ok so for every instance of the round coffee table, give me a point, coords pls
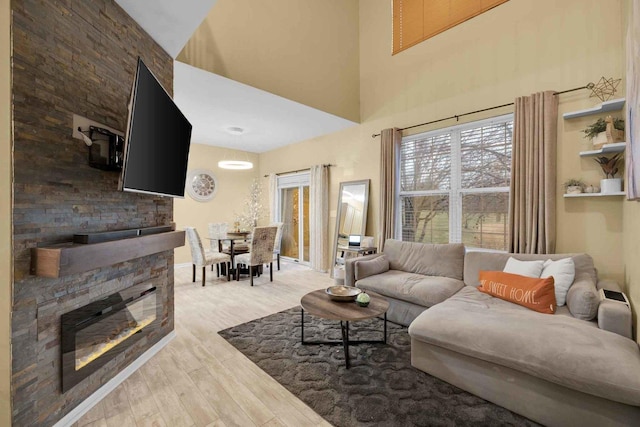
(317, 303)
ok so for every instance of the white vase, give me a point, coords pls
(611, 185)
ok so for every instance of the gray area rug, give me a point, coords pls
(381, 388)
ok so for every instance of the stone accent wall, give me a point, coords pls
(73, 56)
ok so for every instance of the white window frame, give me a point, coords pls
(291, 180)
(455, 192)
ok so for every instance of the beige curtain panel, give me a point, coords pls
(532, 213)
(632, 154)
(273, 196)
(389, 142)
(319, 217)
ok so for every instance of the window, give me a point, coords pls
(454, 185)
(418, 20)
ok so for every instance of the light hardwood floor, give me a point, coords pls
(201, 380)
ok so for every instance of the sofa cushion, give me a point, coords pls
(446, 260)
(563, 272)
(531, 292)
(411, 287)
(474, 261)
(583, 299)
(560, 349)
(524, 268)
(370, 267)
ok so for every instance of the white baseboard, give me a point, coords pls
(184, 264)
(114, 382)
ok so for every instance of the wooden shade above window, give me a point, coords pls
(418, 20)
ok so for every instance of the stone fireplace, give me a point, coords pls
(77, 57)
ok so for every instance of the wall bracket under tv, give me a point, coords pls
(105, 147)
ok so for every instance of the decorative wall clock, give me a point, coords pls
(201, 185)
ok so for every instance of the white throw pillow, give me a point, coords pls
(563, 272)
(524, 268)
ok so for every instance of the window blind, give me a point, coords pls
(454, 184)
(418, 20)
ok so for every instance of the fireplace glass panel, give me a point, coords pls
(100, 337)
(94, 334)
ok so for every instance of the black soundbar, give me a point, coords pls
(107, 236)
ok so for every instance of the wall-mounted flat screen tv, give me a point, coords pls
(157, 142)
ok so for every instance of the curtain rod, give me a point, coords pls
(457, 116)
(328, 165)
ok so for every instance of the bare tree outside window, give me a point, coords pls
(426, 166)
(454, 185)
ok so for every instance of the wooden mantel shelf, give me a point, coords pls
(71, 258)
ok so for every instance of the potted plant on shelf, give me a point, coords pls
(573, 186)
(610, 184)
(605, 131)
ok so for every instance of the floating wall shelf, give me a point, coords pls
(613, 105)
(616, 147)
(71, 258)
(621, 193)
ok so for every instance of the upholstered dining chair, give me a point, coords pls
(217, 232)
(202, 257)
(260, 252)
(278, 242)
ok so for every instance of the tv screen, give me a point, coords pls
(157, 143)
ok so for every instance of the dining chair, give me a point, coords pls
(260, 252)
(202, 257)
(278, 242)
(217, 233)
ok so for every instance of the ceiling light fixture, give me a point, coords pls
(235, 130)
(235, 164)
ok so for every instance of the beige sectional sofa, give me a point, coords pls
(576, 367)
(415, 277)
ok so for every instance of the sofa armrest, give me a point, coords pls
(608, 284)
(350, 268)
(614, 316)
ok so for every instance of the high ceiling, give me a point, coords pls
(216, 105)
(213, 103)
(170, 23)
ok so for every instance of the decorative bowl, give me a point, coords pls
(342, 293)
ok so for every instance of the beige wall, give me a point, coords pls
(355, 156)
(233, 189)
(306, 51)
(6, 261)
(515, 49)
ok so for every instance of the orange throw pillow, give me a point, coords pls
(536, 294)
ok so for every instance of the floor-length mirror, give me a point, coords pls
(351, 218)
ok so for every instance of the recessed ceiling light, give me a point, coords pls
(235, 164)
(235, 130)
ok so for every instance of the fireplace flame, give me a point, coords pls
(96, 350)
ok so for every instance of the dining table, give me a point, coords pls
(234, 249)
